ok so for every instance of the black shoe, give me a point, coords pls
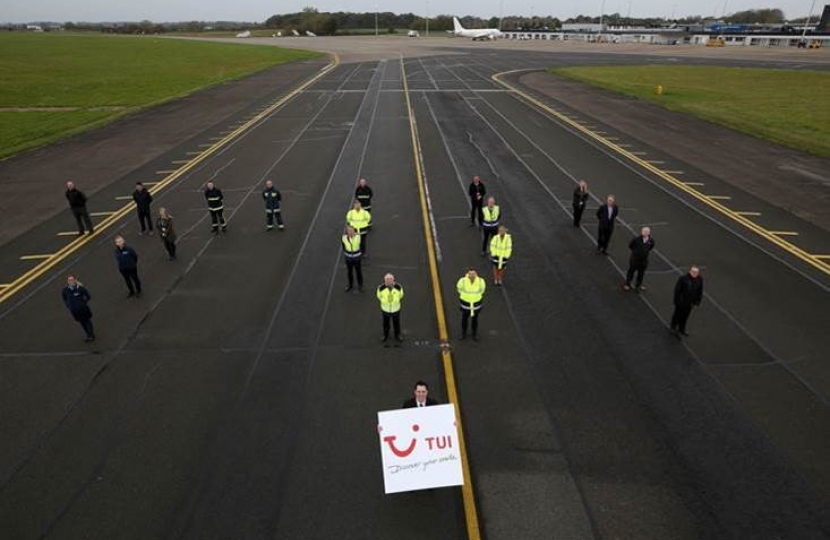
(684, 333)
(349, 288)
(282, 227)
(89, 339)
(269, 228)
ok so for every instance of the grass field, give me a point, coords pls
(788, 107)
(56, 85)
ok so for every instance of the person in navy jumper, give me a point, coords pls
(128, 266)
(77, 298)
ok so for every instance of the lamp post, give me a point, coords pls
(427, 21)
(809, 17)
(376, 20)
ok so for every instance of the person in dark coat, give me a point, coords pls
(607, 216)
(363, 194)
(640, 247)
(580, 200)
(272, 198)
(688, 292)
(127, 260)
(420, 398)
(216, 207)
(77, 203)
(77, 298)
(167, 233)
(142, 199)
(477, 192)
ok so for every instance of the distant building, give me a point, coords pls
(34, 28)
(589, 28)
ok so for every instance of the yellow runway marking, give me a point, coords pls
(123, 198)
(719, 197)
(655, 162)
(150, 183)
(100, 214)
(50, 261)
(674, 172)
(4, 285)
(35, 257)
(710, 201)
(784, 233)
(694, 183)
(822, 256)
(749, 214)
(68, 233)
(470, 511)
(170, 171)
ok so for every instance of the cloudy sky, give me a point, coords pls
(259, 10)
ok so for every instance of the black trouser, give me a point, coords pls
(603, 237)
(170, 246)
(271, 214)
(465, 320)
(144, 217)
(86, 324)
(395, 318)
(131, 279)
(486, 234)
(353, 266)
(639, 268)
(217, 218)
(82, 218)
(679, 317)
(475, 211)
(364, 242)
(578, 209)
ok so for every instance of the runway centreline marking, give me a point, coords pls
(694, 183)
(122, 198)
(784, 233)
(100, 214)
(52, 260)
(470, 510)
(719, 197)
(749, 214)
(35, 257)
(707, 200)
(67, 233)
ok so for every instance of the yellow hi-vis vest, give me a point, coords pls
(390, 299)
(491, 217)
(471, 293)
(351, 246)
(359, 220)
(501, 249)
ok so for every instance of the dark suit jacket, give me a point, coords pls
(411, 404)
(602, 216)
(640, 250)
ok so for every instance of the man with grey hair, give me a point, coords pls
(390, 294)
(688, 292)
(640, 247)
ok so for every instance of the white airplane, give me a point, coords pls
(309, 33)
(296, 34)
(479, 33)
(245, 34)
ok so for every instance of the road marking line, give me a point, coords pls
(694, 183)
(710, 201)
(470, 511)
(674, 172)
(719, 197)
(208, 145)
(123, 198)
(171, 171)
(68, 233)
(656, 162)
(749, 214)
(784, 233)
(178, 162)
(99, 214)
(35, 257)
(28, 277)
(822, 256)
(193, 153)
(639, 153)
(150, 183)
(4, 285)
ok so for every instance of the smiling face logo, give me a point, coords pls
(390, 440)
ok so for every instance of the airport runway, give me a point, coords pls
(238, 397)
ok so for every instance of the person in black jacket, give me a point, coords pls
(688, 292)
(607, 216)
(77, 298)
(216, 206)
(142, 199)
(363, 194)
(77, 203)
(421, 397)
(272, 198)
(127, 260)
(580, 200)
(477, 192)
(167, 233)
(640, 247)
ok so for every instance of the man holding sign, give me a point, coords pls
(419, 448)
(421, 398)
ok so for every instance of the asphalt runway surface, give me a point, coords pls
(238, 397)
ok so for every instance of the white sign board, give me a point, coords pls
(419, 448)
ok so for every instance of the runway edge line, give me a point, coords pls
(28, 277)
(709, 201)
(470, 510)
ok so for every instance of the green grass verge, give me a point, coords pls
(88, 72)
(791, 108)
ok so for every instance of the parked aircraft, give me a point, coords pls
(475, 34)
